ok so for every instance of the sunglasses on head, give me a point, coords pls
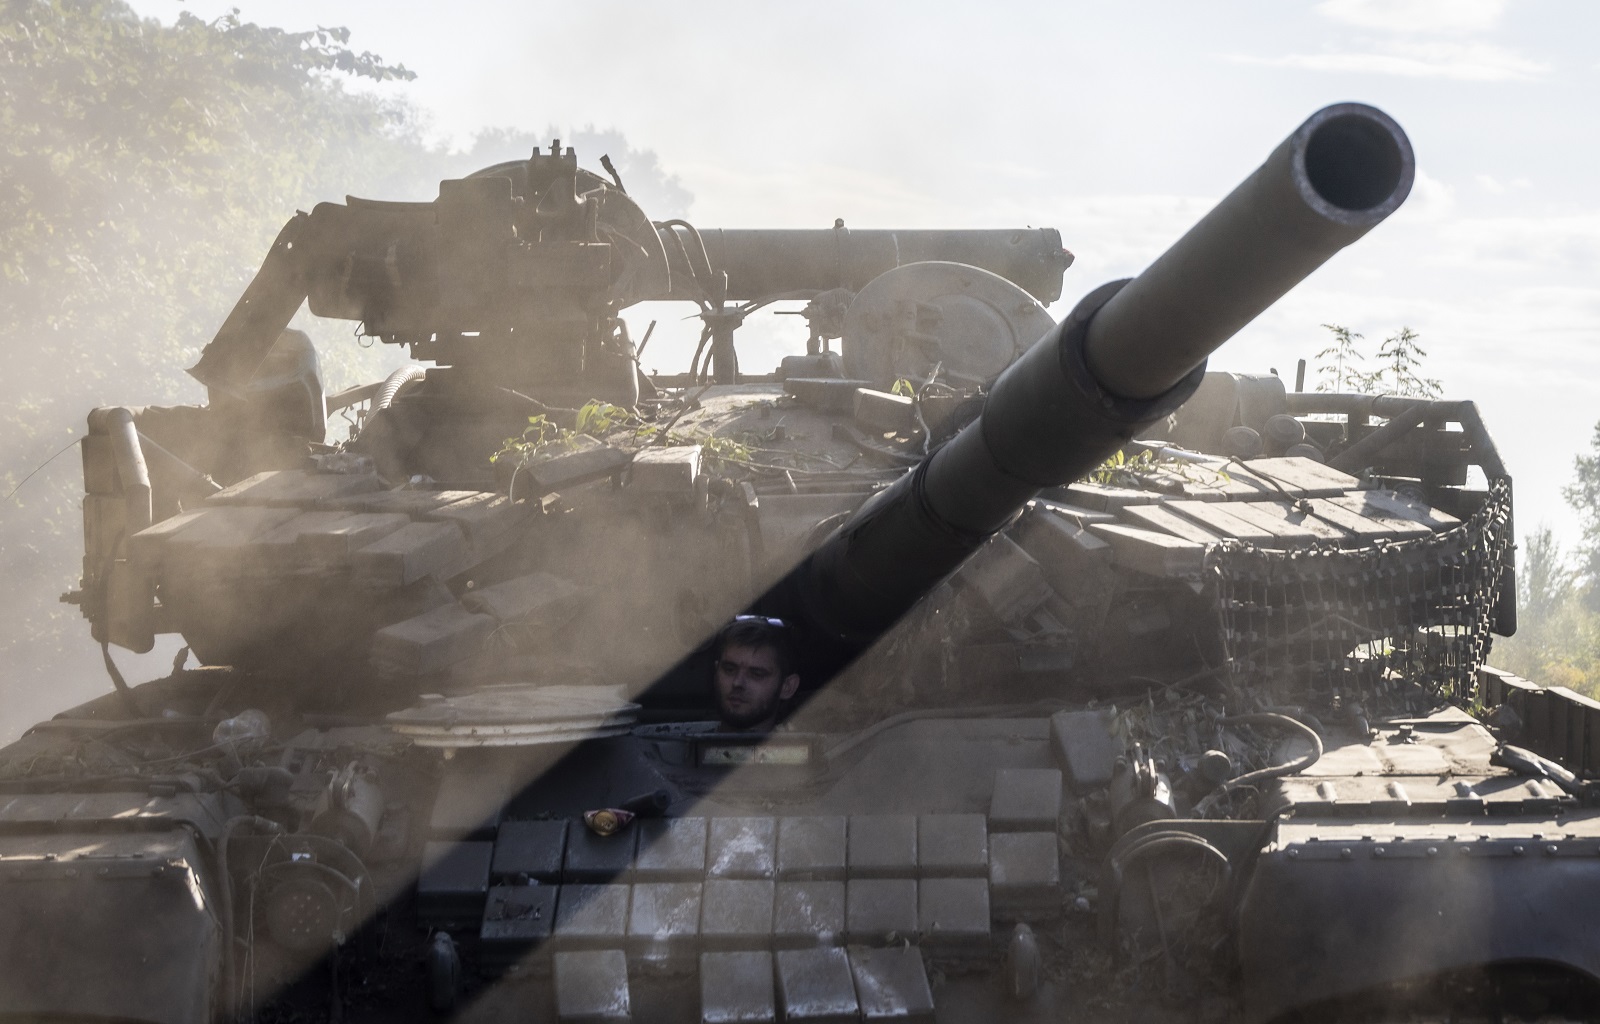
(775, 623)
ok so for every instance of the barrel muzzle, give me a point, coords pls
(1331, 181)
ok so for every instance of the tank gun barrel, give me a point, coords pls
(1128, 355)
(762, 262)
(1341, 172)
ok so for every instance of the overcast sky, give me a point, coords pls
(1119, 123)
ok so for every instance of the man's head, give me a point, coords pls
(754, 673)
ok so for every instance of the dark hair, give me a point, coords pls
(756, 632)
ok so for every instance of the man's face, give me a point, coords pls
(750, 688)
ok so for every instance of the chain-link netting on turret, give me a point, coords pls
(1369, 622)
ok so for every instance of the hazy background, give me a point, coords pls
(1117, 123)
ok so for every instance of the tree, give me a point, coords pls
(151, 161)
(1583, 494)
(1545, 581)
(1558, 602)
(1558, 639)
(144, 170)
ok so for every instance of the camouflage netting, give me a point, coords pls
(1360, 622)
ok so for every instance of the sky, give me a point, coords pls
(1119, 123)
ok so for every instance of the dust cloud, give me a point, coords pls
(137, 206)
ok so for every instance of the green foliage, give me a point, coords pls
(721, 454)
(539, 437)
(1121, 471)
(1150, 469)
(1337, 363)
(1400, 360)
(1583, 494)
(1558, 637)
(542, 438)
(599, 418)
(144, 170)
(1558, 597)
(1545, 581)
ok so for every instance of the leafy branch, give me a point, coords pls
(1402, 358)
(1336, 364)
(542, 438)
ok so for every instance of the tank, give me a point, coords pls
(1125, 689)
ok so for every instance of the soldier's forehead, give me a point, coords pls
(761, 651)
